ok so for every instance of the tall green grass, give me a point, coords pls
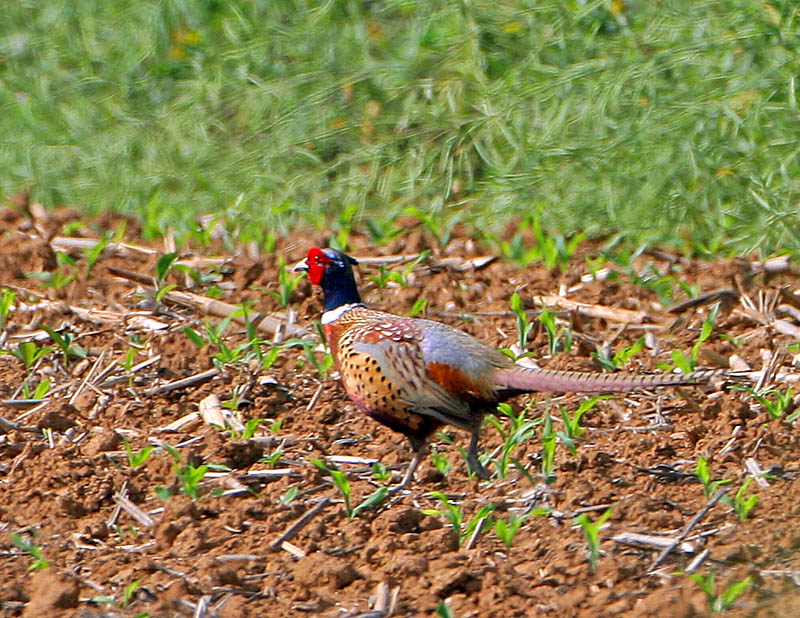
(674, 121)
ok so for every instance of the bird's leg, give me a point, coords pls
(472, 456)
(420, 448)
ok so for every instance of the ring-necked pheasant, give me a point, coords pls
(415, 375)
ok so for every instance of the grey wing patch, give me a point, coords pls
(404, 366)
(444, 344)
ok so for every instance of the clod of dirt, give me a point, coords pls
(240, 454)
(49, 591)
(71, 507)
(318, 570)
(58, 420)
(180, 513)
(449, 581)
(444, 539)
(101, 443)
(406, 521)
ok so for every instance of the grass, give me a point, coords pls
(661, 122)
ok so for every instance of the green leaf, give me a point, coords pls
(164, 265)
(194, 336)
(378, 496)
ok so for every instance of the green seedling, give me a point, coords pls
(559, 339)
(289, 495)
(448, 439)
(28, 353)
(382, 233)
(273, 459)
(703, 474)
(443, 610)
(374, 499)
(401, 277)
(215, 336)
(128, 596)
(549, 442)
(93, 254)
(591, 532)
(524, 326)
(382, 278)
(189, 476)
(163, 267)
(342, 483)
(380, 473)
(688, 364)
(776, 402)
(59, 278)
(129, 593)
(663, 286)
(128, 363)
(340, 480)
(250, 428)
(65, 343)
(521, 431)
(743, 504)
(201, 278)
(72, 228)
(625, 353)
(137, 458)
(287, 283)
(322, 366)
(506, 530)
(572, 425)
(34, 551)
(479, 522)
(7, 298)
(621, 358)
(39, 392)
(453, 513)
(122, 533)
(517, 252)
(419, 307)
(440, 462)
(441, 228)
(343, 225)
(720, 603)
(553, 250)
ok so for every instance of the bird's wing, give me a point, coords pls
(403, 363)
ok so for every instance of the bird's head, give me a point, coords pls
(333, 271)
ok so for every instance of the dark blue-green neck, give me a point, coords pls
(339, 288)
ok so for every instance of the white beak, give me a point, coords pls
(301, 265)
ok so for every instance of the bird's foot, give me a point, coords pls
(477, 467)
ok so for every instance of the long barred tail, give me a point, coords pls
(525, 379)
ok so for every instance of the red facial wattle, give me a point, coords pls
(316, 260)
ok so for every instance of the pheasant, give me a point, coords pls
(415, 375)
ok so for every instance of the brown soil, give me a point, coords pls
(63, 465)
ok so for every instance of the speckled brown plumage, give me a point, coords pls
(416, 375)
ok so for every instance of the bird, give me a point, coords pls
(415, 375)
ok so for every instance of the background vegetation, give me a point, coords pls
(673, 121)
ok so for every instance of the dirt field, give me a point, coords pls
(68, 487)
